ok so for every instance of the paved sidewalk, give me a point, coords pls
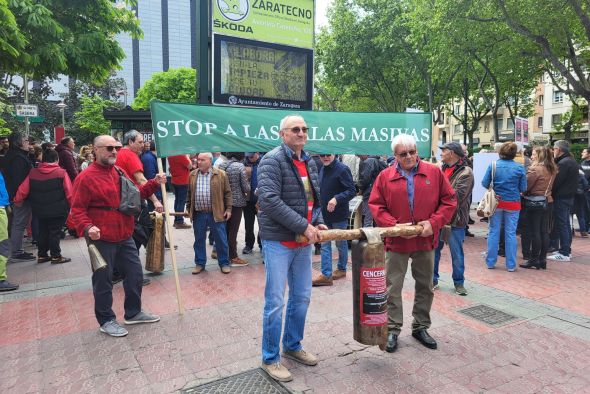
(50, 340)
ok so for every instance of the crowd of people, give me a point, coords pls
(106, 191)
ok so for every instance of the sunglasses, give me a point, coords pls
(327, 155)
(407, 153)
(111, 148)
(297, 129)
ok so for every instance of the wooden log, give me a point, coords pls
(357, 233)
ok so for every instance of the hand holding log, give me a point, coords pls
(346, 235)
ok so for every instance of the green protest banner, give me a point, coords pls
(192, 128)
(288, 22)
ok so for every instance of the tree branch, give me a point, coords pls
(584, 18)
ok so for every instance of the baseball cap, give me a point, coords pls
(455, 147)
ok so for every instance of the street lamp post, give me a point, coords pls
(62, 107)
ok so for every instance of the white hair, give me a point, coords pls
(497, 146)
(405, 140)
(284, 120)
(208, 155)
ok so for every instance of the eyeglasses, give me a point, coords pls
(297, 129)
(111, 148)
(406, 153)
(326, 155)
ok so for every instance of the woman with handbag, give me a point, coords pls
(508, 182)
(537, 198)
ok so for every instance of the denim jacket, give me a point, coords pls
(509, 179)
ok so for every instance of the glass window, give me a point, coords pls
(540, 121)
(541, 100)
(500, 123)
(457, 129)
(509, 124)
(486, 126)
(557, 97)
(556, 118)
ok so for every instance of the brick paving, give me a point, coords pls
(50, 340)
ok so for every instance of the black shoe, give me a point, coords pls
(531, 264)
(247, 250)
(7, 286)
(145, 282)
(469, 234)
(543, 264)
(318, 250)
(391, 343)
(117, 279)
(502, 253)
(470, 221)
(526, 257)
(425, 339)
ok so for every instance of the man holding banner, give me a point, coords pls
(289, 198)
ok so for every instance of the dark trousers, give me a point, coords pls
(523, 230)
(249, 218)
(580, 209)
(538, 233)
(232, 227)
(561, 235)
(180, 192)
(50, 236)
(124, 256)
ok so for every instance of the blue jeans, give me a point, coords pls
(284, 265)
(179, 201)
(458, 260)
(202, 220)
(561, 235)
(510, 221)
(342, 251)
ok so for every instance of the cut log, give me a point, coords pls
(357, 233)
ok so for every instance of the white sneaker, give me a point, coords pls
(559, 257)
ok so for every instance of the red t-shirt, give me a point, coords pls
(302, 169)
(129, 162)
(179, 167)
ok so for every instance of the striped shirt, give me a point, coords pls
(203, 192)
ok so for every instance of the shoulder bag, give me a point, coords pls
(537, 203)
(489, 202)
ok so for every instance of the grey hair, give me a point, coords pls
(16, 139)
(284, 120)
(562, 145)
(208, 154)
(404, 140)
(131, 135)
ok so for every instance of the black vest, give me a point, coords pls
(47, 196)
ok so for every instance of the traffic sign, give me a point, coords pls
(32, 119)
(26, 109)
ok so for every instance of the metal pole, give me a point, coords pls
(203, 53)
(26, 102)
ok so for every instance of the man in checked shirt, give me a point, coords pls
(210, 205)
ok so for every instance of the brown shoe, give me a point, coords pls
(214, 254)
(322, 281)
(182, 225)
(338, 274)
(60, 260)
(584, 234)
(225, 269)
(238, 262)
(43, 259)
(198, 269)
(278, 372)
(301, 356)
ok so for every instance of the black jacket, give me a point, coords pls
(336, 181)
(566, 181)
(368, 171)
(282, 198)
(585, 166)
(16, 168)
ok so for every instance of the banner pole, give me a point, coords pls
(171, 241)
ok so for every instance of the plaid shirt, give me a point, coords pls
(203, 192)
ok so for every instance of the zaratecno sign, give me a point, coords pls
(288, 22)
(192, 128)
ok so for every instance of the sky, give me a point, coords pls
(321, 8)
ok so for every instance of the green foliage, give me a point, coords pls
(175, 85)
(576, 151)
(76, 38)
(90, 117)
(5, 110)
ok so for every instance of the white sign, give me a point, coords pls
(481, 162)
(26, 110)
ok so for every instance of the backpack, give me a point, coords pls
(130, 197)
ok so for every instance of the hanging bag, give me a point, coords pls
(537, 203)
(489, 202)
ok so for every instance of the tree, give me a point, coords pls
(571, 121)
(76, 38)
(90, 117)
(175, 86)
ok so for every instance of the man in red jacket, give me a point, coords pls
(97, 196)
(180, 168)
(415, 192)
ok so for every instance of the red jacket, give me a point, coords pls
(434, 200)
(180, 168)
(99, 186)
